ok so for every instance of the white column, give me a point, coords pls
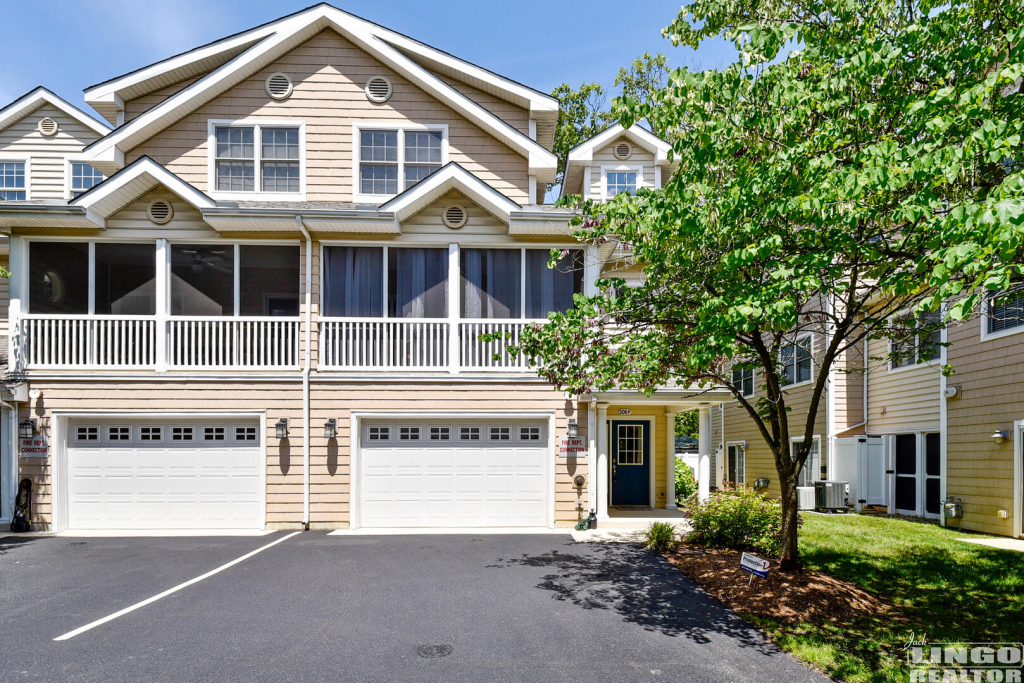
(601, 472)
(163, 301)
(592, 456)
(454, 312)
(670, 460)
(18, 267)
(704, 452)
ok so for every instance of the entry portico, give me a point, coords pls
(632, 445)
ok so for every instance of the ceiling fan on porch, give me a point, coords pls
(207, 258)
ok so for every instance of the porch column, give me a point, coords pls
(163, 298)
(592, 475)
(454, 310)
(704, 452)
(602, 461)
(670, 460)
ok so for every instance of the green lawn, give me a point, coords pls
(944, 590)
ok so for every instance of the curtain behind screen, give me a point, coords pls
(353, 282)
(551, 289)
(417, 283)
(490, 283)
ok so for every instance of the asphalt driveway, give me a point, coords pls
(361, 608)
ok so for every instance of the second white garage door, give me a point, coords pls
(454, 474)
(162, 474)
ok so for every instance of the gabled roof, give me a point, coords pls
(436, 185)
(262, 46)
(32, 100)
(584, 152)
(116, 192)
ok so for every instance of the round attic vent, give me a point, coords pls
(279, 86)
(378, 89)
(160, 211)
(623, 151)
(454, 216)
(47, 126)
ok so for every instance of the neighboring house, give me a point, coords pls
(256, 301)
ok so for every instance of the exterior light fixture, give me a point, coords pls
(27, 428)
(330, 429)
(281, 427)
(999, 436)
(573, 431)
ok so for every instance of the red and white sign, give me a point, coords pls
(35, 447)
(572, 447)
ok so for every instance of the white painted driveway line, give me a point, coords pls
(159, 596)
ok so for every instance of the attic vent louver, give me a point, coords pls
(160, 211)
(378, 89)
(48, 126)
(279, 86)
(454, 216)
(623, 151)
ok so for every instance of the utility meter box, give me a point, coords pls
(953, 509)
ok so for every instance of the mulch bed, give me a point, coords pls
(801, 596)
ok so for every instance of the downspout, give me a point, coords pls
(306, 363)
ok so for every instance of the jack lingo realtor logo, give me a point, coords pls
(965, 662)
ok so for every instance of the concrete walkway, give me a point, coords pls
(1015, 544)
(628, 526)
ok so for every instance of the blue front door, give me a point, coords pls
(631, 462)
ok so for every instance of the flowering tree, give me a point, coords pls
(869, 171)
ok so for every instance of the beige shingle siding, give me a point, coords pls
(329, 74)
(989, 375)
(48, 154)
(908, 396)
(517, 117)
(139, 105)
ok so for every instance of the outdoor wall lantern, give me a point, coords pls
(999, 436)
(281, 426)
(572, 429)
(330, 429)
(27, 428)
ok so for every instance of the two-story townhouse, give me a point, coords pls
(263, 307)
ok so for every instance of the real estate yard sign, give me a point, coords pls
(754, 564)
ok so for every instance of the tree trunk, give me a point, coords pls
(789, 560)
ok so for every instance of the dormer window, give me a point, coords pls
(260, 159)
(12, 181)
(621, 181)
(391, 160)
(83, 178)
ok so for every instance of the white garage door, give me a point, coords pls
(454, 474)
(164, 475)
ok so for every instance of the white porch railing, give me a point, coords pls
(383, 344)
(355, 344)
(65, 341)
(251, 343)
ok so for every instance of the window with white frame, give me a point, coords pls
(811, 471)
(182, 434)
(914, 341)
(440, 433)
(393, 160)
(83, 178)
(620, 181)
(226, 279)
(213, 434)
(743, 379)
(380, 433)
(257, 158)
(87, 433)
(1005, 311)
(796, 360)
(12, 181)
(469, 433)
(500, 433)
(119, 433)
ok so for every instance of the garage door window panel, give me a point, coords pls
(119, 433)
(182, 434)
(87, 433)
(151, 433)
(214, 434)
(469, 434)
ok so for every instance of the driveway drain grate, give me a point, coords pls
(434, 651)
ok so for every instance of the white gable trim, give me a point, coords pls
(119, 190)
(28, 103)
(451, 177)
(291, 32)
(584, 152)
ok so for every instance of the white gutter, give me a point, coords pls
(306, 363)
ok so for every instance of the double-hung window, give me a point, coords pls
(620, 181)
(1005, 311)
(796, 360)
(913, 341)
(259, 158)
(83, 178)
(743, 379)
(393, 160)
(12, 181)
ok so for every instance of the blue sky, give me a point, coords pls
(68, 45)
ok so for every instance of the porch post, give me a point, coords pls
(670, 460)
(454, 309)
(602, 461)
(593, 475)
(704, 451)
(163, 298)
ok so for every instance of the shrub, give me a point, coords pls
(660, 536)
(686, 484)
(743, 519)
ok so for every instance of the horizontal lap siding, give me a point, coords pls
(606, 157)
(329, 461)
(989, 375)
(901, 401)
(329, 74)
(48, 154)
(513, 115)
(133, 108)
(5, 302)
